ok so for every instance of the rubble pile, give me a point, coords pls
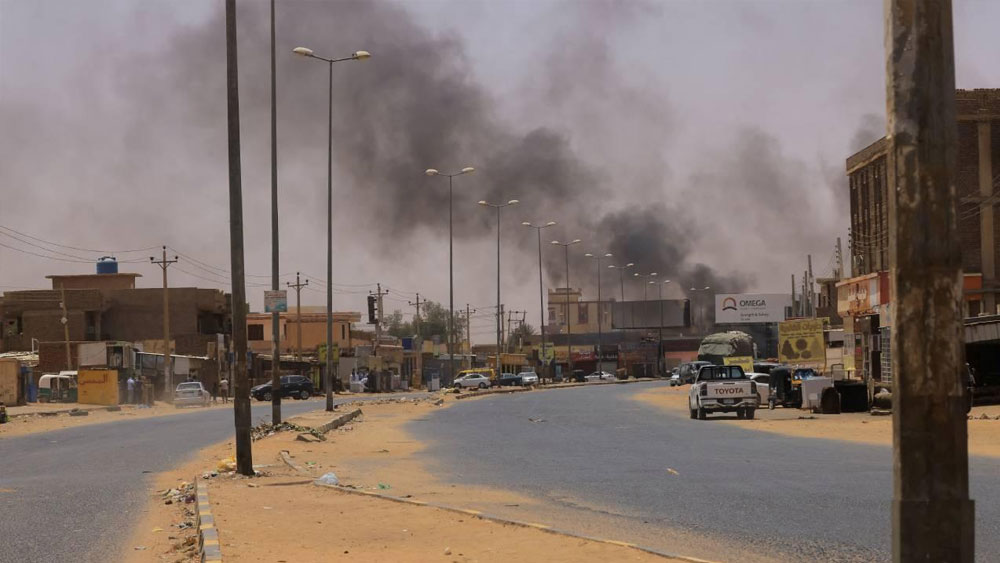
(267, 429)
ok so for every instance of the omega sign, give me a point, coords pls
(744, 308)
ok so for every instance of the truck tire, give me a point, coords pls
(750, 413)
(740, 414)
(701, 413)
(694, 413)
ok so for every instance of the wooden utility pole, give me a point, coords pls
(168, 370)
(241, 385)
(297, 286)
(416, 318)
(932, 514)
(65, 323)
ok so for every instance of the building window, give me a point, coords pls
(343, 332)
(255, 332)
(583, 313)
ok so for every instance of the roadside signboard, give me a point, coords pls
(744, 308)
(745, 362)
(800, 342)
(276, 301)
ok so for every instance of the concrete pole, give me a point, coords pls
(275, 315)
(932, 514)
(65, 323)
(795, 306)
(328, 372)
(298, 313)
(811, 287)
(241, 402)
(168, 372)
(468, 333)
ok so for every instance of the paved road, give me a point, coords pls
(76, 492)
(599, 465)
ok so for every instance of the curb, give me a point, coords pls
(338, 422)
(209, 548)
(501, 520)
(554, 387)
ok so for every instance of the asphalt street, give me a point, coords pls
(602, 463)
(73, 494)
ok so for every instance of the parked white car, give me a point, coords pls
(763, 382)
(601, 376)
(472, 381)
(722, 389)
(528, 378)
(191, 393)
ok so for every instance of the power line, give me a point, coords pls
(105, 251)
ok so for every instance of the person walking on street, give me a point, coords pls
(215, 391)
(130, 385)
(224, 389)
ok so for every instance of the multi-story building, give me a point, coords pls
(863, 300)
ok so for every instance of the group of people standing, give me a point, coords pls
(139, 391)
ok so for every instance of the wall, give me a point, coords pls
(95, 281)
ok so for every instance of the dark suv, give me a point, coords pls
(295, 386)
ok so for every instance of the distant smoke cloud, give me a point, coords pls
(871, 129)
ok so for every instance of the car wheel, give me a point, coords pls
(750, 413)
(739, 413)
(694, 414)
(482, 386)
(702, 415)
(303, 394)
(267, 396)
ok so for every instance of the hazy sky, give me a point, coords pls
(706, 138)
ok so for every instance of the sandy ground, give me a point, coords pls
(282, 516)
(38, 422)
(984, 434)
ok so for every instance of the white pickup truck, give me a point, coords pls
(722, 389)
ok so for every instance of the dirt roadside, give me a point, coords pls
(37, 421)
(984, 433)
(282, 516)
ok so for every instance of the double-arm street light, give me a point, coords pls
(498, 207)
(600, 310)
(451, 267)
(541, 297)
(659, 340)
(357, 56)
(569, 324)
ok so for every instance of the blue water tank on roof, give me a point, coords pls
(107, 265)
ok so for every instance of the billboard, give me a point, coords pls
(743, 308)
(668, 313)
(800, 342)
(276, 301)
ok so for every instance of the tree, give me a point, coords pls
(524, 329)
(394, 325)
(433, 322)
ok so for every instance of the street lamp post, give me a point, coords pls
(569, 323)
(357, 56)
(621, 282)
(541, 297)
(451, 267)
(659, 332)
(644, 302)
(600, 312)
(498, 207)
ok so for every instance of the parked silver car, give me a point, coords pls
(191, 393)
(528, 378)
(472, 381)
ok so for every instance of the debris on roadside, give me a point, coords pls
(328, 479)
(267, 429)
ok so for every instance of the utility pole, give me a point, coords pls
(468, 331)
(275, 315)
(933, 518)
(840, 261)
(378, 321)
(298, 313)
(65, 323)
(795, 306)
(812, 287)
(241, 403)
(168, 371)
(520, 338)
(416, 319)
(500, 338)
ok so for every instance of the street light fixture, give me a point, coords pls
(541, 297)
(356, 56)
(451, 266)
(600, 310)
(569, 323)
(498, 207)
(621, 282)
